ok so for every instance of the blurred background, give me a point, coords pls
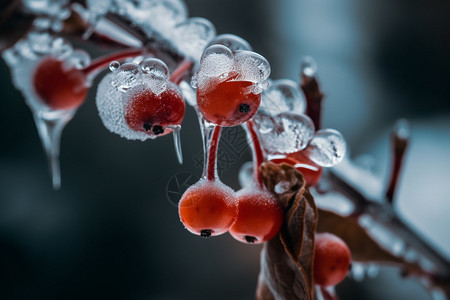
(112, 232)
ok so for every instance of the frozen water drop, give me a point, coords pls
(327, 148)
(283, 96)
(216, 61)
(292, 133)
(78, 59)
(126, 76)
(114, 66)
(156, 68)
(232, 42)
(246, 174)
(251, 66)
(192, 36)
(308, 67)
(264, 122)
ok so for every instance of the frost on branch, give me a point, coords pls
(286, 260)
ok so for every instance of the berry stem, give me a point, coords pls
(257, 153)
(314, 97)
(212, 157)
(399, 142)
(179, 73)
(100, 63)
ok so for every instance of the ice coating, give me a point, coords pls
(129, 86)
(327, 148)
(285, 133)
(25, 55)
(232, 42)
(283, 96)
(192, 36)
(218, 62)
(111, 107)
(154, 15)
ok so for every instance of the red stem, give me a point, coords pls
(100, 63)
(399, 144)
(258, 155)
(180, 71)
(212, 157)
(314, 97)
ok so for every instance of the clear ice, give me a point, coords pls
(284, 133)
(283, 96)
(327, 148)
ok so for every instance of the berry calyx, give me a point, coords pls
(332, 259)
(208, 208)
(259, 216)
(149, 112)
(58, 87)
(228, 102)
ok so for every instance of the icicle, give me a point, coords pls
(177, 142)
(50, 127)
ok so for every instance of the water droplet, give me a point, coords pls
(155, 68)
(114, 65)
(126, 76)
(308, 67)
(327, 148)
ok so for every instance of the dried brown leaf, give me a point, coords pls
(286, 260)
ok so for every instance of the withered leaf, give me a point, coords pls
(286, 260)
(362, 246)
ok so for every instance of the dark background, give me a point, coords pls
(112, 233)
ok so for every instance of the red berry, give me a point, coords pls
(229, 102)
(311, 172)
(208, 208)
(259, 217)
(150, 113)
(57, 87)
(332, 259)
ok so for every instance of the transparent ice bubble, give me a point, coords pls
(111, 105)
(252, 66)
(283, 96)
(264, 121)
(327, 148)
(217, 60)
(155, 68)
(192, 36)
(78, 59)
(114, 66)
(292, 133)
(126, 76)
(232, 42)
(308, 67)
